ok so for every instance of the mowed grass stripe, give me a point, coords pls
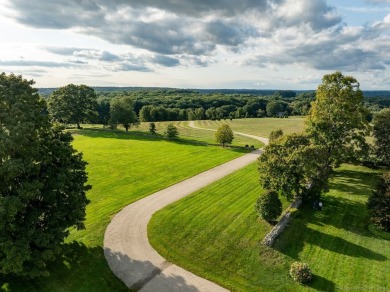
(259, 127)
(199, 135)
(207, 241)
(220, 240)
(126, 167)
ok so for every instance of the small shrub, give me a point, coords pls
(171, 132)
(152, 128)
(300, 272)
(269, 206)
(246, 145)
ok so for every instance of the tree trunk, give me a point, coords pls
(78, 125)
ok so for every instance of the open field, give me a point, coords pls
(259, 127)
(122, 169)
(200, 135)
(215, 233)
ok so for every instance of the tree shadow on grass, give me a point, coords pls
(139, 275)
(81, 268)
(340, 211)
(134, 135)
(321, 284)
(354, 182)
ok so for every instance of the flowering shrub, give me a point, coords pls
(300, 272)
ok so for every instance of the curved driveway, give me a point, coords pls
(126, 244)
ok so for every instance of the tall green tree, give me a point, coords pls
(382, 135)
(42, 182)
(293, 165)
(337, 119)
(74, 104)
(224, 135)
(122, 112)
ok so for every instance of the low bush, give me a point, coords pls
(269, 206)
(300, 272)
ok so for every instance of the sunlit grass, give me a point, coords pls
(216, 233)
(122, 168)
(259, 127)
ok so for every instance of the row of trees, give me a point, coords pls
(300, 165)
(76, 104)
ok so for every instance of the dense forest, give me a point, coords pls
(167, 104)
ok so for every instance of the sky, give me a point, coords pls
(252, 44)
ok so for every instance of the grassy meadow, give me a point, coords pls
(216, 234)
(259, 127)
(204, 136)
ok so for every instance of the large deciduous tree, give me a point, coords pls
(122, 112)
(292, 165)
(382, 135)
(224, 135)
(337, 119)
(42, 181)
(74, 104)
(335, 133)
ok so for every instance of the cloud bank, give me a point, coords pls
(173, 33)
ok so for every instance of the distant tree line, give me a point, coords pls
(181, 105)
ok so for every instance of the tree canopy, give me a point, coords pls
(337, 119)
(224, 135)
(74, 104)
(300, 165)
(382, 135)
(291, 165)
(122, 112)
(42, 189)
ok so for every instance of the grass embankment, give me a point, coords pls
(215, 233)
(259, 127)
(123, 167)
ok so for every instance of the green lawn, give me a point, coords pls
(216, 233)
(200, 135)
(259, 127)
(123, 167)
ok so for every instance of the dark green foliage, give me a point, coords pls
(103, 110)
(300, 272)
(42, 191)
(152, 128)
(171, 132)
(337, 119)
(382, 136)
(275, 108)
(379, 203)
(269, 206)
(74, 104)
(291, 165)
(122, 112)
(224, 135)
(275, 135)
